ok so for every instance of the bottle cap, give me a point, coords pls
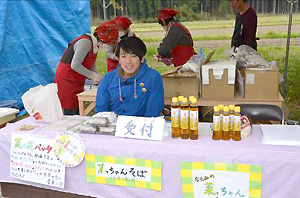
(194, 100)
(221, 107)
(231, 107)
(180, 98)
(191, 98)
(174, 99)
(237, 109)
(184, 100)
(216, 108)
(226, 108)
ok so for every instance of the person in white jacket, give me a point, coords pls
(123, 25)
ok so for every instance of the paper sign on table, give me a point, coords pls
(69, 148)
(281, 134)
(141, 128)
(33, 159)
(220, 180)
(124, 171)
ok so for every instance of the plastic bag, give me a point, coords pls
(247, 57)
(42, 103)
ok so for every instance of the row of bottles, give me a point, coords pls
(184, 116)
(227, 123)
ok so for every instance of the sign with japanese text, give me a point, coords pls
(33, 159)
(218, 180)
(140, 127)
(124, 171)
(69, 148)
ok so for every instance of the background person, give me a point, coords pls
(123, 25)
(133, 88)
(77, 63)
(245, 24)
(177, 46)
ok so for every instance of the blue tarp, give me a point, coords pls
(33, 36)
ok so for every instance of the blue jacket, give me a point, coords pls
(149, 101)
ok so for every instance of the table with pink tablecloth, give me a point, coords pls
(281, 164)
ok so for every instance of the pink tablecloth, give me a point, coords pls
(281, 164)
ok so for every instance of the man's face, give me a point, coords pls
(235, 4)
(130, 63)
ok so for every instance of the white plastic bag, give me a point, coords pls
(42, 103)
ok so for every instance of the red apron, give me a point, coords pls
(111, 64)
(69, 82)
(182, 53)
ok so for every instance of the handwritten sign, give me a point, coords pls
(217, 180)
(69, 148)
(124, 171)
(33, 159)
(141, 128)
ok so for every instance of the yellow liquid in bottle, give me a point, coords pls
(184, 119)
(194, 120)
(217, 133)
(225, 131)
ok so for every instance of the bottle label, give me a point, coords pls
(216, 123)
(184, 119)
(194, 120)
(175, 117)
(231, 121)
(237, 123)
(225, 123)
(221, 121)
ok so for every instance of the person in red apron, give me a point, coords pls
(77, 64)
(123, 25)
(177, 46)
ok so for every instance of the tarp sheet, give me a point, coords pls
(33, 36)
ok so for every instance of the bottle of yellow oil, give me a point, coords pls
(231, 120)
(217, 134)
(184, 119)
(221, 107)
(194, 119)
(175, 118)
(237, 124)
(225, 125)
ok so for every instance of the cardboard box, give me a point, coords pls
(218, 79)
(185, 84)
(261, 84)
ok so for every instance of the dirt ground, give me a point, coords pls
(228, 31)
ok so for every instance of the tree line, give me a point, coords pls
(146, 10)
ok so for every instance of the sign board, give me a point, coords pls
(218, 180)
(124, 171)
(33, 159)
(141, 127)
(69, 148)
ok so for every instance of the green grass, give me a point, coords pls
(270, 53)
(269, 35)
(263, 20)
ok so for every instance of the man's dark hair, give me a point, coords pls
(167, 21)
(132, 45)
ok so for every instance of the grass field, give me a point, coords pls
(270, 53)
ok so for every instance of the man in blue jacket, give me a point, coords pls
(133, 88)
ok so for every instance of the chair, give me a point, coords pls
(263, 113)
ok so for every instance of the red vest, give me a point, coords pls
(182, 53)
(64, 69)
(69, 82)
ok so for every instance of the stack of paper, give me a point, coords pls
(281, 134)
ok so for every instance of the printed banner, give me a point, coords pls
(124, 171)
(33, 159)
(218, 180)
